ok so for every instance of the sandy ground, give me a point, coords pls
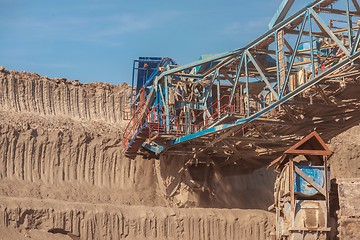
(13, 233)
(108, 221)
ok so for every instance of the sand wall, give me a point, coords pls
(62, 140)
(103, 221)
(345, 161)
(30, 92)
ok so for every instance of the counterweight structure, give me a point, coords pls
(238, 110)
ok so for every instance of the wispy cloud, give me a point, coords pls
(101, 30)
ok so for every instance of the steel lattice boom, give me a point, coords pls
(242, 108)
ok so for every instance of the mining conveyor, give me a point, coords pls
(239, 110)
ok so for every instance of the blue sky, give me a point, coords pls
(93, 40)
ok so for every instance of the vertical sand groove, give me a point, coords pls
(68, 155)
(27, 92)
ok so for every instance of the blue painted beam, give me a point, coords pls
(323, 26)
(311, 45)
(199, 62)
(356, 43)
(292, 60)
(236, 81)
(281, 12)
(153, 148)
(263, 77)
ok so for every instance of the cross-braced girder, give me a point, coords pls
(251, 103)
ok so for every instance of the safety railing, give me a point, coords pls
(134, 124)
(180, 125)
(155, 120)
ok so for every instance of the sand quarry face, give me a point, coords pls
(63, 175)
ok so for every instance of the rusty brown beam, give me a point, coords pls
(338, 11)
(356, 4)
(305, 33)
(237, 153)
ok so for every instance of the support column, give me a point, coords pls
(167, 117)
(281, 58)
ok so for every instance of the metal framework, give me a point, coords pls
(302, 191)
(242, 108)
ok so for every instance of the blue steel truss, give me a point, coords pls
(253, 102)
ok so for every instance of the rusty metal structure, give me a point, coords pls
(237, 111)
(302, 190)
